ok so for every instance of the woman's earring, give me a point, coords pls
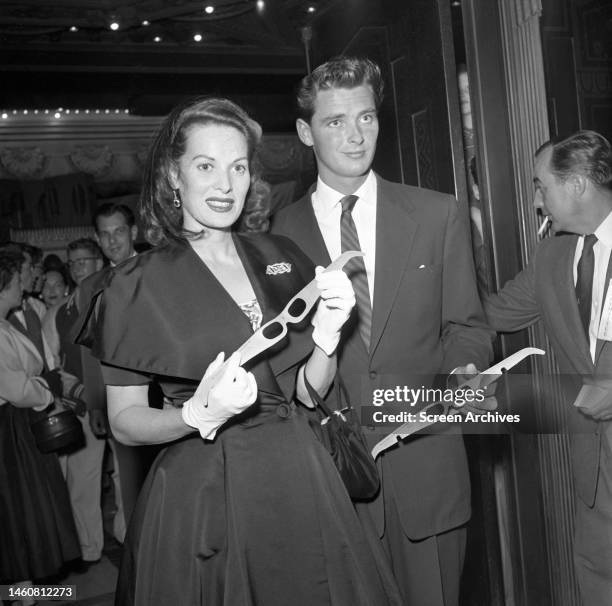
(176, 201)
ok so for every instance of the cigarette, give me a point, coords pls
(543, 228)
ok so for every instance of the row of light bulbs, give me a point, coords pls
(59, 112)
(209, 9)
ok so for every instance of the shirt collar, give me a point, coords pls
(325, 198)
(604, 231)
(134, 253)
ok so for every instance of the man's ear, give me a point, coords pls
(99, 264)
(577, 185)
(304, 132)
(134, 230)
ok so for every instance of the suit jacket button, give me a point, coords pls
(373, 374)
(283, 411)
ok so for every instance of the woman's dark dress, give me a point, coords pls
(259, 516)
(37, 532)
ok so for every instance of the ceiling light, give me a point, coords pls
(197, 37)
(157, 39)
(145, 23)
(4, 115)
(114, 26)
(261, 5)
(74, 28)
(57, 115)
(311, 9)
(209, 10)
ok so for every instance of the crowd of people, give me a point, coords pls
(225, 495)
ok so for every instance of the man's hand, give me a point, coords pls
(595, 399)
(98, 422)
(462, 374)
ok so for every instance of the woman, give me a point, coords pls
(56, 287)
(252, 510)
(37, 533)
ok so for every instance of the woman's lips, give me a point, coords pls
(220, 205)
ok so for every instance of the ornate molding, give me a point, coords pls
(526, 10)
(595, 82)
(23, 162)
(40, 237)
(96, 160)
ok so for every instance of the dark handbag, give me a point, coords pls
(340, 432)
(61, 433)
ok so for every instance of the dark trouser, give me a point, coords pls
(593, 536)
(428, 571)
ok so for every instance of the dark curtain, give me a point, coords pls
(62, 201)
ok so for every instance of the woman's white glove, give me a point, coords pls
(225, 390)
(334, 308)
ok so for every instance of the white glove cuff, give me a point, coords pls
(326, 342)
(196, 415)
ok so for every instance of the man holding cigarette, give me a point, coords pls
(566, 286)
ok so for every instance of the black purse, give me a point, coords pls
(61, 432)
(340, 432)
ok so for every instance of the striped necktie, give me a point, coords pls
(355, 268)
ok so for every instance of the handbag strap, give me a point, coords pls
(315, 397)
(341, 392)
(341, 395)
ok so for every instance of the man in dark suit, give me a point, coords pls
(418, 314)
(566, 286)
(116, 232)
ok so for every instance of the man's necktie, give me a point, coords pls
(584, 281)
(355, 268)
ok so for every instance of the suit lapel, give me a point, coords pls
(395, 232)
(308, 234)
(563, 286)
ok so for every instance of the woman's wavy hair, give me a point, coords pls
(161, 220)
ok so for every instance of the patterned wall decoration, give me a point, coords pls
(96, 160)
(23, 162)
(423, 145)
(595, 29)
(52, 239)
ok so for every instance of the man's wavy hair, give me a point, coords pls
(585, 153)
(161, 220)
(338, 72)
(10, 264)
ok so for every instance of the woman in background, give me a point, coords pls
(37, 533)
(250, 510)
(56, 287)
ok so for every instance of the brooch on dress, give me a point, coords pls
(278, 268)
